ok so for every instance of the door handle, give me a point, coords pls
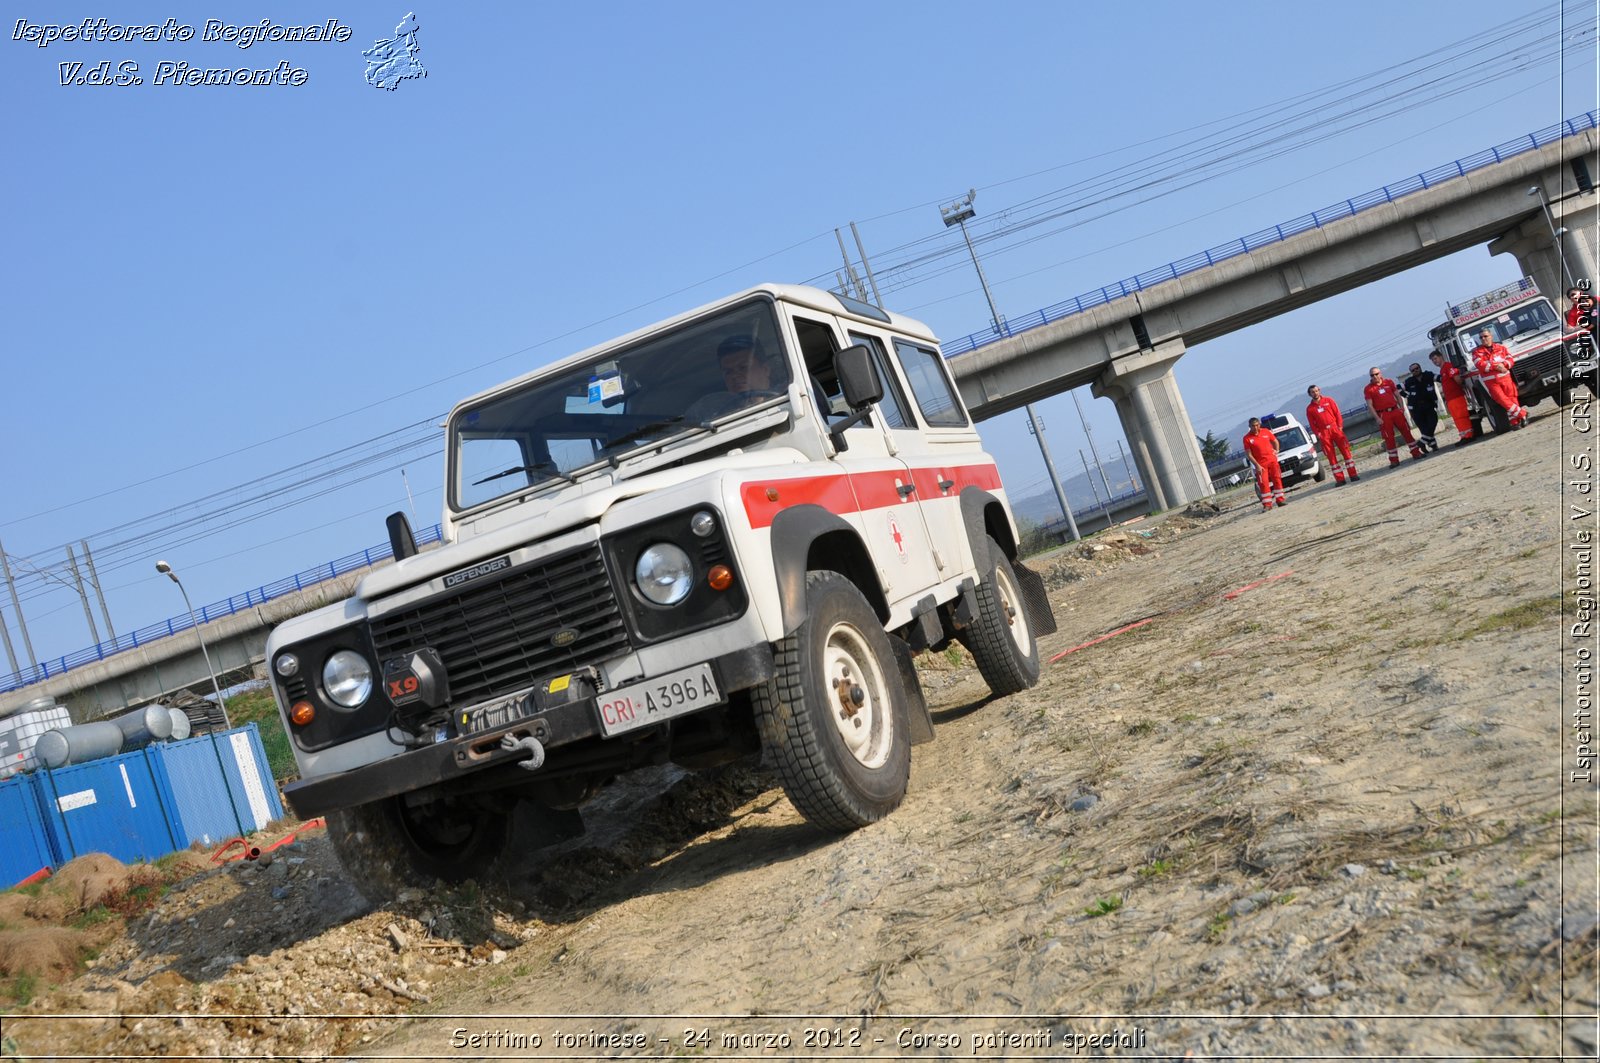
(945, 485)
(906, 490)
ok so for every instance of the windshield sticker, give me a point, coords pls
(603, 388)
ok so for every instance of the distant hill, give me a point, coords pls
(1042, 508)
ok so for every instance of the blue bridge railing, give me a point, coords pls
(1345, 208)
(215, 611)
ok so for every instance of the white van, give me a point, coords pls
(1297, 451)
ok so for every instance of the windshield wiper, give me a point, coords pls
(642, 431)
(538, 466)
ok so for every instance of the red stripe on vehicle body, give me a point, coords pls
(858, 492)
(928, 480)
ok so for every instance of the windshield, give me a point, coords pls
(1518, 322)
(1289, 438)
(697, 376)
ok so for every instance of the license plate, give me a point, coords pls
(648, 703)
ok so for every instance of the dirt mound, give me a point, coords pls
(13, 907)
(78, 886)
(1105, 550)
(48, 929)
(47, 952)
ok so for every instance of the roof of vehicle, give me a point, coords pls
(799, 294)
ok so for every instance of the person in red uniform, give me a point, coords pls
(1327, 424)
(1453, 382)
(1579, 304)
(1493, 364)
(1261, 447)
(1383, 399)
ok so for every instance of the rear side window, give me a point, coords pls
(930, 384)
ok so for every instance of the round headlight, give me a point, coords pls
(288, 665)
(347, 677)
(664, 574)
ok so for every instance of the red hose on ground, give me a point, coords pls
(1230, 596)
(251, 852)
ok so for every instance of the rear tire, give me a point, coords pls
(833, 719)
(1000, 637)
(392, 845)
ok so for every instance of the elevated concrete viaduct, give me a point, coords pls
(1125, 349)
(135, 677)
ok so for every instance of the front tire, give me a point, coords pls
(391, 845)
(834, 717)
(1000, 638)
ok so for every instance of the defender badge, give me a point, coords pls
(484, 568)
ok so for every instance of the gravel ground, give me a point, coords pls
(1313, 807)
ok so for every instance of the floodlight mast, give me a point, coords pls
(957, 213)
(166, 570)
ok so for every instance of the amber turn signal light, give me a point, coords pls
(720, 577)
(301, 713)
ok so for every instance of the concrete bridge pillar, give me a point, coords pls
(1157, 424)
(1531, 243)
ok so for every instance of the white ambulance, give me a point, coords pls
(1297, 450)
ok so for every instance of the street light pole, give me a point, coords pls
(166, 570)
(1555, 237)
(957, 213)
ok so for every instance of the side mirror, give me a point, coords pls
(401, 541)
(862, 387)
(858, 377)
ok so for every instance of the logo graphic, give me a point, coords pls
(899, 540)
(391, 62)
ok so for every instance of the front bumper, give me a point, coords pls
(1298, 467)
(455, 758)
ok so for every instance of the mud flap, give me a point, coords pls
(919, 721)
(1034, 596)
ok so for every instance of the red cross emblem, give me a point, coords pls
(899, 540)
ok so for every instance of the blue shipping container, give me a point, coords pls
(138, 805)
(220, 789)
(26, 845)
(113, 805)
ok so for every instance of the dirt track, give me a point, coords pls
(1313, 807)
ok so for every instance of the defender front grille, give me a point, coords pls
(495, 637)
(1541, 363)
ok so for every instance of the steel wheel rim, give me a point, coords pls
(849, 667)
(1012, 611)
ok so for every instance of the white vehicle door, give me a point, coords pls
(943, 450)
(883, 489)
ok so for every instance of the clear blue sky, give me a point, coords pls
(207, 285)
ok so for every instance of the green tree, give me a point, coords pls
(1213, 447)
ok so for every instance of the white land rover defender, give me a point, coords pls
(724, 534)
(1546, 355)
